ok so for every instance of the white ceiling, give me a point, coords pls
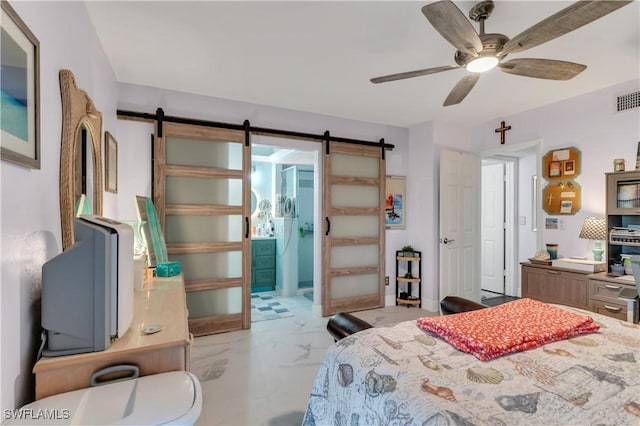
(319, 56)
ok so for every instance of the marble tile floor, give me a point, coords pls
(263, 376)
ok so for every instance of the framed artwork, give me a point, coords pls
(110, 163)
(20, 104)
(395, 202)
(569, 167)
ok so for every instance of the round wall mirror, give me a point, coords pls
(254, 202)
(80, 155)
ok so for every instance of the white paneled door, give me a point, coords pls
(492, 228)
(459, 225)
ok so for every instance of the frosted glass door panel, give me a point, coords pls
(203, 185)
(203, 153)
(355, 196)
(207, 303)
(355, 166)
(355, 226)
(202, 229)
(202, 266)
(354, 256)
(355, 286)
(196, 190)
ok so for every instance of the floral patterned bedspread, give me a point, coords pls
(401, 375)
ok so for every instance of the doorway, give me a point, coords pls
(285, 173)
(510, 216)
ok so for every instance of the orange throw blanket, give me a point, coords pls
(511, 327)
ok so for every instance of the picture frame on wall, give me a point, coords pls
(395, 202)
(110, 163)
(569, 167)
(20, 76)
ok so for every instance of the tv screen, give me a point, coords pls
(87, 290)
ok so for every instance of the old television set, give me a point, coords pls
(87, 290)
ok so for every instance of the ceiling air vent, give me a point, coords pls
(628, 101)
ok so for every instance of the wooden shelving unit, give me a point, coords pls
(408, 279)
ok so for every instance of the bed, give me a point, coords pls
(401, 375)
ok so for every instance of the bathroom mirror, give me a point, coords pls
(81, 132)
(254, 202)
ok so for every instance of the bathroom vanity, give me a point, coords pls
(263, 264)
(160, 303)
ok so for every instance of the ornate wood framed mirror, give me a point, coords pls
(81, 132)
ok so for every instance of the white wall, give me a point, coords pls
(589, 123)
(30, 209)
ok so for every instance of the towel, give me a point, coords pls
(511, 327)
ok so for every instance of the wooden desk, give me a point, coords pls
(162, 301)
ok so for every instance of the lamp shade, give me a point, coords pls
(594, 228)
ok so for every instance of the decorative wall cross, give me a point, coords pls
(502, 129)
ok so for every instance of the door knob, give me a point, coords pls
(447, 241)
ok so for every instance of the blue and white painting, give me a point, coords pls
(393, 209)
(14, 112)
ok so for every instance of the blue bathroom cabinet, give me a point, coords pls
(263, 265)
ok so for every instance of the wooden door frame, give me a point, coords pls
(532, 147)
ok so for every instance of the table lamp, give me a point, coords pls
(595, 228)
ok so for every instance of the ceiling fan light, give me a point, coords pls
(482, 64)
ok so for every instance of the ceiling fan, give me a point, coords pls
(482, 52)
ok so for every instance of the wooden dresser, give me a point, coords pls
(593, 292)
(161, 302)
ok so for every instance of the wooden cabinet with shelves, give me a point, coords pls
(623, 212)
(623, 226)
(408, 273)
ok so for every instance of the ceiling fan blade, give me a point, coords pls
(453, 25)
(410, 74)
(563, 22)
(462, 89)
(542, 68)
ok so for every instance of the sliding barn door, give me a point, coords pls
(353, 273)
(202, 194)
